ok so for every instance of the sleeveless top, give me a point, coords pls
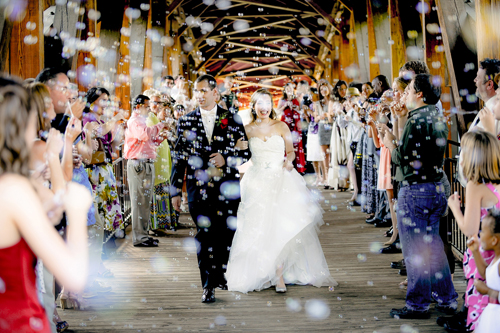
(484, 211)
(20, 309)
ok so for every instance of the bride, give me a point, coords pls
(276, 241)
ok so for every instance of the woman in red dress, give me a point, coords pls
(289, 107)
(28, 233)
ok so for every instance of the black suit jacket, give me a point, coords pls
(192, 152)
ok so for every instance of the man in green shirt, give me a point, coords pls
(421, 201)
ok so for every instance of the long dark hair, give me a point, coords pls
(92, 95)
(336, 88)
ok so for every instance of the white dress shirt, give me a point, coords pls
(208, 119)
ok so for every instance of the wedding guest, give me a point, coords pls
(481, 167)
(288, 107)
(100, 168)
(28, 233)
(229, 97)
(420, 156)
(140, 151)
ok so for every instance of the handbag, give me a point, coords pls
(99, 156)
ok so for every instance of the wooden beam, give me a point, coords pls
(172, 7)
(253, 69)
(372, 42)
(259, 26)
(260, 85)
(398, 47)
(451, 70)
(208, 34)
(297, 64)
(207, 59)
(5, 45)
(260, 48)
(323, 14)
(321, 40)
(27, 59)
(221, 69)
(265, 4)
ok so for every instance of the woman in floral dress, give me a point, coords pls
(101, 175)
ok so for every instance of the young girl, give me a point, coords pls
(490, 241)
(481, 166)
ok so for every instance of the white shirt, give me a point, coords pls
(208, 119)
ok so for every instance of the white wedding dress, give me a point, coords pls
(278, 224)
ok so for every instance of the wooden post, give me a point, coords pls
(451, 70)
(488, 38)
(398, 47)
(123, 73)
(372, 42)
(26, 41)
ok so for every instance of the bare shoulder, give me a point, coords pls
(13, 187)
(280, 125)
(249, 128)
(38, 150)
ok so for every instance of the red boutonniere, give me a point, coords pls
(223, 121)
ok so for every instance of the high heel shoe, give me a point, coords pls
(64, 301)
(281, 289)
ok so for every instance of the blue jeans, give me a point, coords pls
(420, 207)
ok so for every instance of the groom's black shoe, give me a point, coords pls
(222, 286)
(208, 295)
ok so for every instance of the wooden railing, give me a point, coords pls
(455, 236)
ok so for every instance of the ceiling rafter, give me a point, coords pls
(207, 59)
(259, 85)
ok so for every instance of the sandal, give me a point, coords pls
(404, 284)
(62, 326)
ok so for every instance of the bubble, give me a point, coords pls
(160, 264)
(352, 71)
(31, 26)
(86, 75)
(274, 70)
(433, 28)
(422, 7)
(269, 303)
(317, 309)
(413, 52)
(405, 328)
(190, 245)
(188, 47)
(144, 6)
(412, 34)
(333, 208)
(437, 80)
(208, 2)
(370, 283)
(223, 4)
(239, 25)
(305, 41)
(36, 323)
(231, 222)
(196, 162)
(304, 31)
(293, 305)
(94, 14)
(2, 286)
(166, 41)
(375, 247)
(132, 13)
(203, 221)
(230, 189)
(207, 27)
(361, 257)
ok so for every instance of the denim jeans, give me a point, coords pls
(420, 207)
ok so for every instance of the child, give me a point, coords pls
(489, 241)
(481, 166)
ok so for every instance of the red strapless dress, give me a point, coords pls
(20, 309)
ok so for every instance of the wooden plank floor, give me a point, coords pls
(158, 290)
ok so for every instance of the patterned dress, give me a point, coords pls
(163, 214)
(104, 185)
(476, 302)
(369, 192)
(292, 119)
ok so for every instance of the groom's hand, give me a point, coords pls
(217, 160)
(176, 202)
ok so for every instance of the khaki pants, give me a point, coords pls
(140, 175)
(49, 298)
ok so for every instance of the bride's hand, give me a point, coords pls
(241, 144)
(288, 165)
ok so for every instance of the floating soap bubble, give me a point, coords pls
(293, 305)
(361, 257)
(375, 247)
(223, 4)
(317, 309)
(230, 189)
(239, 25)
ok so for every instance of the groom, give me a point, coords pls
(205, 151)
